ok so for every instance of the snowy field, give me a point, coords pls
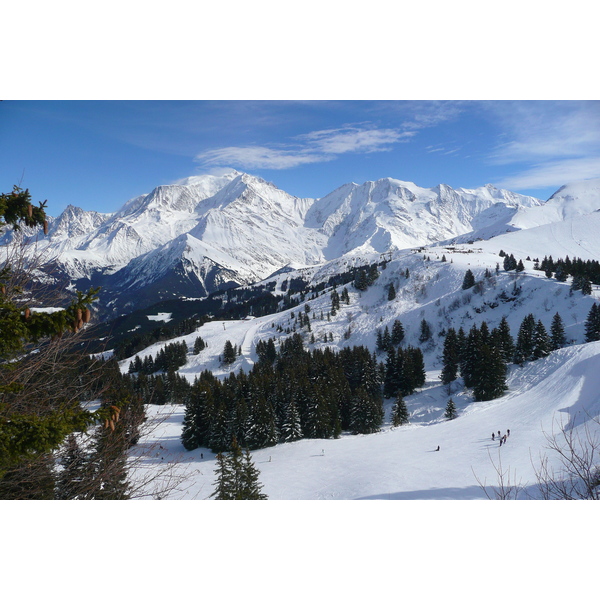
(402, 463)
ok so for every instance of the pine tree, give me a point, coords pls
(387, 338)
(397, 332)
(558, 338)
(469, 357)
(400, 414)
(468, 280)
(361, 281)
(199, 345)
(525, 340)
(251, 488)
(450, 410)
(425, 331)
(391, 292)
(541, 341)
(592, 324)
(291, 428)
(504, 340)
(229, 353)
(366, 413)
(225, 483)
(490, 380)
(372, 275)
(450, 357)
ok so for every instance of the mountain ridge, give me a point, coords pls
(248, 228)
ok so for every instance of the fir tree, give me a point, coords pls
(397, 333)
(372, 274)
(541, 341)
(592, 324)
(468, 280)
(225, 483)
(525, 340)
(399, 412)
(425, 331)
(490, 380)
(229, 353)
(199, 345)
(503, 339)
(361, 281)
(251, 488)
(450, 410)
(450, 358)
(366, 413)
(558, 338)
(391, 292)
(387, 338)
(291, 428)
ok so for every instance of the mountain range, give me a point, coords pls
(208, 233)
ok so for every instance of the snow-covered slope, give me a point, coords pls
(401, 463)
(570, 201)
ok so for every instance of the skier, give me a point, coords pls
(201, 456)
(500, 441)
(437, 449)
(499, 434)
(508, 433)
(493, 436)
(504, 439)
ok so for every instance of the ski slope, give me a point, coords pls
(402, 463)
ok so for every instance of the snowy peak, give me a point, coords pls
(75, 222)
(576, 199)
(392, 214)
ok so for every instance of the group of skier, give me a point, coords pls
(501, 437)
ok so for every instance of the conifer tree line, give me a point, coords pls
(136, 343)
(169, 358)
(481, 357)
(292, 393)
(584, 273)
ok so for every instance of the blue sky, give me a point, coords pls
(98, 154)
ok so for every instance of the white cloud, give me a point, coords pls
(353, 139)
(317, 146)
(553, 173)
(546, 130)
(552, 143)
(259, 157)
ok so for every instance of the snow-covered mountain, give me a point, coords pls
(209, 232)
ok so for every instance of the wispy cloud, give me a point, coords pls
(354, 139)
(553, 173)
(313, 147)
(554, 142)
(259, 157)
